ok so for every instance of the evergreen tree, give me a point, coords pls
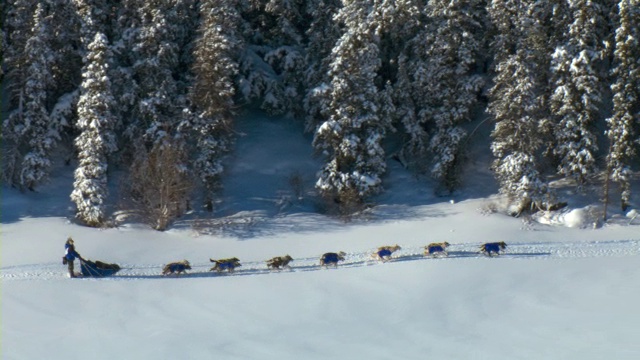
(18, 27)
(623, 125)
(437, 68)
(351, 136)
(213, 89)
(517, 105)
(156, 64)
(394, 22)
(415, 147)
(94, 15)
(505, 28)
(576, 90)
(322, 34)
(454, 40)
(125, 27)
(66, 62)
(3, 42)
(97, 139)
(272, 64)
(28, 126)
(515, 135)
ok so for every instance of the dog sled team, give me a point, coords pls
(383, 254)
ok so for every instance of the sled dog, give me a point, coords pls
(490, 248)
(436, 248)
(331, 258)
(177, 267)
(225, 264)
(384, 252)
(279, 261)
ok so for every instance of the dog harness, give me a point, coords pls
(226, 265)
(492, 247)
(384, 252)
(330, 258)
(435, 249)
(177, 267)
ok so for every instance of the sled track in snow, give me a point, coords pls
(457, 252)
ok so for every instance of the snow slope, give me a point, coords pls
(557, 292)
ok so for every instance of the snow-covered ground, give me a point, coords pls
(558, 292)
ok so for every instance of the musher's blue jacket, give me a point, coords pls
(70, 252)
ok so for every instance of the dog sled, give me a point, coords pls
(97, 268)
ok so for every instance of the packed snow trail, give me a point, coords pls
(457, 252)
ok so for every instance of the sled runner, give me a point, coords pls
(98, 268)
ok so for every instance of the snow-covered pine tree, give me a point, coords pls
(156, 59)
(96, 139)
(272, 64)
(550, 19)
(94, 15)
(516, 140)
(152, 44)
(66, 64)
(64, 61)
(3, 41)
(394, 22)
(214, 70)
(352, 135)
(322, 34)
(415, 147)
(504, 27)
(436, 86)
(516, 104)
(453, 42)
(18, 25)
(624, 124)
(576, 90)
(125, 27)
(29, 126)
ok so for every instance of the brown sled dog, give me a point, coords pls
(279, 261)
(434, 249)
(331, 259)
(384, 252)
(491, 248)
(177, 267)
(225, 264)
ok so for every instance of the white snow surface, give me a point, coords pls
(556, 293)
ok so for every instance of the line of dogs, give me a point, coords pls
(383, 254)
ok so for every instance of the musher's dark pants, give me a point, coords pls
(70, 265)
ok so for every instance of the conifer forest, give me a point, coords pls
(153, 88)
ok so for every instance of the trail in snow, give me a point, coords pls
(457, 252)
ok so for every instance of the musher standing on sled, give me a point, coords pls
(70, 255)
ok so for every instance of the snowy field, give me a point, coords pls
(562, 290)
